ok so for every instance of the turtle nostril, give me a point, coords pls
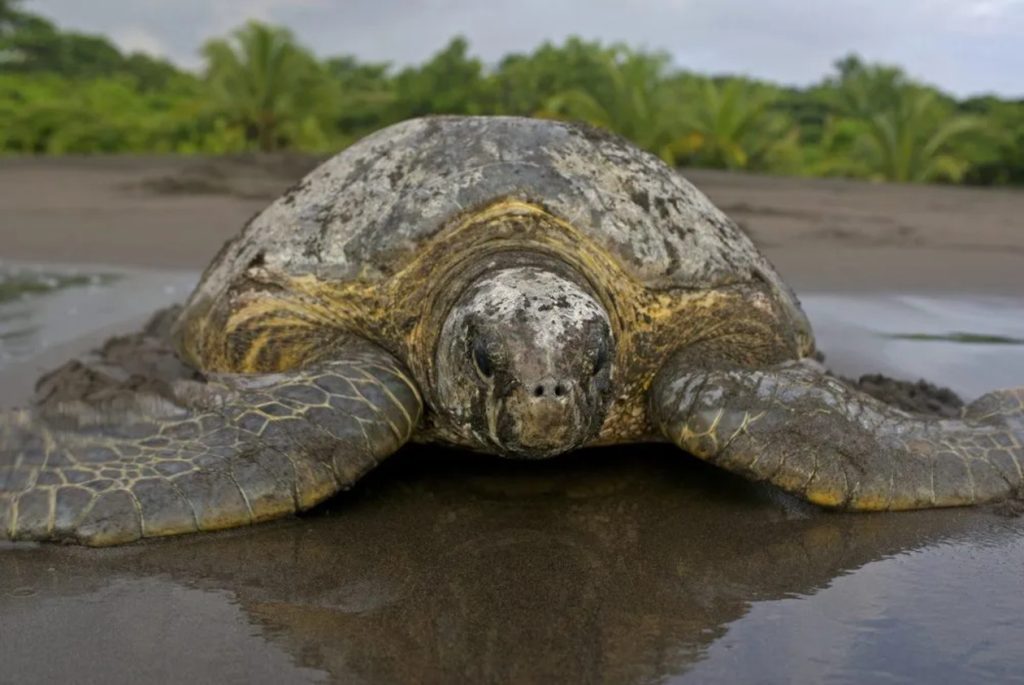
(549, 388)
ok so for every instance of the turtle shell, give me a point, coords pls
(366, 211)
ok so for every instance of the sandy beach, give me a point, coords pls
(823, 235)
(628, 564)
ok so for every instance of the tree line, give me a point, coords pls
(260, 89)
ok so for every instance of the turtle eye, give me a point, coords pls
(482, 359)
(601, 358)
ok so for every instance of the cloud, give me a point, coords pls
(138, 39)
(995, 9)
(965, 46)
(230, 13)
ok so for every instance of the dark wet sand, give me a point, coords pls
(624, 565)
(821, 234)
(620, 566)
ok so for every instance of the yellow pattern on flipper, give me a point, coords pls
(820, 439)
(236, 451)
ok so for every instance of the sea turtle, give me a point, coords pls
(513, 286)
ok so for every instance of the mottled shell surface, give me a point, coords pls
(365, 212)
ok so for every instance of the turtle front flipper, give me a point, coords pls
(234, 451)
(822, 440)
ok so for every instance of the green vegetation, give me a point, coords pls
(959, 337)
(260, 89)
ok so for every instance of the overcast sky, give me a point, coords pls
(963, 46)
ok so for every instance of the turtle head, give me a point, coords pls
(524, 363)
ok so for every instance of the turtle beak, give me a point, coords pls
(541, 419)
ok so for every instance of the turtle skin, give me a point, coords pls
(818, 438)
(231, 451)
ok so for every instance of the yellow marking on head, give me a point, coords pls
(254, 351)
(263, 319)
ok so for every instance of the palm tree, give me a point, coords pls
(682, 119)
(265, 82)
(733, 125)
(889, 128)
(913, 139)
(630, 96)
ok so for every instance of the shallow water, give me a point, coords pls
(970, 344)
(46, 307)
(631, 564)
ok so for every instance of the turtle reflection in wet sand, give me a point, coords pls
(515, 287)
(616, 565)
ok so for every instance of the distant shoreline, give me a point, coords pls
(822, 234)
